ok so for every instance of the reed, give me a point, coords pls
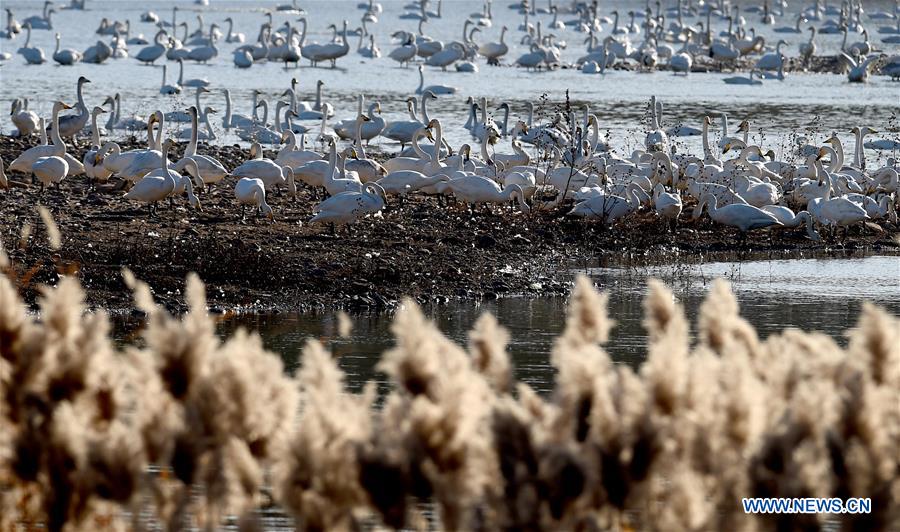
(193, 430)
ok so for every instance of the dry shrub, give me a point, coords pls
(192, 429)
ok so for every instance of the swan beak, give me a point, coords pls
(271, 216)
(429, 135)
(727, 148)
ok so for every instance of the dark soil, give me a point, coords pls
(422, 249)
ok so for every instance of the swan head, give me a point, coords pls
(60, 106)
(97, 111)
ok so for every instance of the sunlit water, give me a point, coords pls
(811, 105)
(823, 295)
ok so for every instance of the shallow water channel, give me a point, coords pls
(810, 294)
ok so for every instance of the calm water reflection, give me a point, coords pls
(824, 295)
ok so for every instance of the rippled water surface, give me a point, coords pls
(823, 295)
(803, 104)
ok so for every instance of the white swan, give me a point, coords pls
(252, 191)
(475, 189)
(434, 89)
(93, 165)
(656, 139)
(267, 170)
(790, 220)
(32, 54)
(743, 217)
(349, 207)
(406, 52)
(150, 54)
(667, 204)
(290, 155)
(50, 170)
(166, 89)
(609, 208)
(26, 121)
(65, 56)
(57, 148)
(231, 36)
(210, 169)
(70, 125)
(404, 182)
(494, 51)
(161, 184)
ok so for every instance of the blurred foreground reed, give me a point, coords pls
(187, 430)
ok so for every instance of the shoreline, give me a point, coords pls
(418, 250)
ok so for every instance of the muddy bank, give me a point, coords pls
(421, 248)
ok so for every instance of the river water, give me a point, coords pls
(810, 294)
(808, 105)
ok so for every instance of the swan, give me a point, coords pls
(402, 131)
(371, 128)
(418, 163)
(772, 60)
(327, 52)
(160, 184)
(808, 49)
(166, 89)
(348, 207)
(533, 59)
(12, 25)
(252, 191)
(681, 62)
(203, 54)
(57, 148)
(372, 51)
(610, 208)
(260, 132)
(434, 89)
(32, 54)
(25, 121)
(242, 59)
(447, 56)
(70, 125)
(209, 169)
(194, 82)
(97, 53)
(406, 52)
(93, 165)
(231, 36)
(267, 170)
(137, 39)
(519, 157)
(790, 220)
(875, 209)
(667, 204)
(404, 182)
(859, 72)
(656, 139)
(340, 179)
(743, 217)
(290, 155)
(839, 211)
(473, 189)
(43, 21)
(50, 170)
(149, 54)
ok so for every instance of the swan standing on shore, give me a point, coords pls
(743, 217)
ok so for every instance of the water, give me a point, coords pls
(823, 295)
(802, 104)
